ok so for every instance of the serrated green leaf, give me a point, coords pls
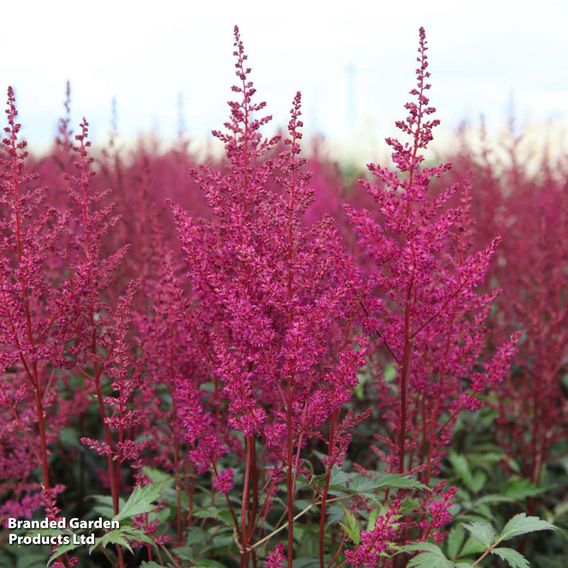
(423, 547)
(61, 550)
(141, 500)
(351, 527)
(512, 557)
(521, 524)
(112, 537)
(430, 560)
(364, 484)
(431, 556)
(471, 547)
(485, 511)
(456, 539)
(338, 476)
(121, 536)
(152, 564)
(483, 533)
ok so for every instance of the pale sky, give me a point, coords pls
(353, 60)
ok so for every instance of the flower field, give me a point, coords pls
(260, 359)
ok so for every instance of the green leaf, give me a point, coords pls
(471, 547)
(61, 550)
(120, 536)
(521, 524)
(423, 546)
(512, 557)
(146, 564)
(478, 481)
(429, 560)
(430, 557)
(141, 500)
(493, 499)
(184, 553)
(156, 475)
(433, 559)
(338, 476)
(372, 520)
(461, 467)
(226, 517)
(519, 489)
(455, 541)
(222, 540)
(207, 513)
(334, 514)
(351, 527)
(105, 507)
(483, 533)
(112, 537)
(208, 564)
(364, 484)
(196, 536)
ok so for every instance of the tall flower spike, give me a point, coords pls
(31, 338)
(423, 307)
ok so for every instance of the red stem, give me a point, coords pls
(325, 491)
(245, 502)
(289, 476)
(404, 384)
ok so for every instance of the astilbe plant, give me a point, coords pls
(422, 304)
(532, 275)
(168, 356)
(31, 335)
(529, 210)
(98, 330)
(278, 299)
(533, 412)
